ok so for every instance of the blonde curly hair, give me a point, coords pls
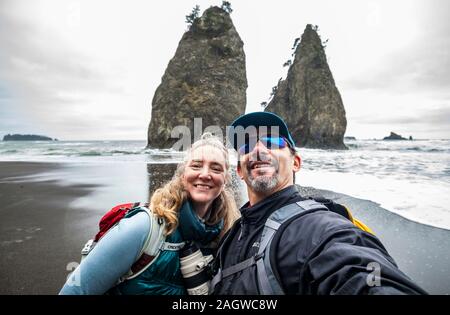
(167, 200)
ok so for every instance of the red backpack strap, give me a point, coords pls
(141, 263)
(112, 217)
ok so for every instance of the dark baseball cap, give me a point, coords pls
(259, 119)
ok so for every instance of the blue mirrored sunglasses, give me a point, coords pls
(270, 143)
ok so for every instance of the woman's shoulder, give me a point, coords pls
(138, 224)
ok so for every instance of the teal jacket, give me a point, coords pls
(113, 256)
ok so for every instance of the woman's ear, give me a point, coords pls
(239, 170)
(183, 179)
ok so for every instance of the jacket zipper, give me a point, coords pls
(242, 229)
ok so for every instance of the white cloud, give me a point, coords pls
(80, 69)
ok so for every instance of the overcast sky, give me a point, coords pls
(88, 69)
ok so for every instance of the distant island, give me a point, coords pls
(394, 136)
(17, 137)
(349, 138)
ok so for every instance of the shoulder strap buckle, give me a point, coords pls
(259, 256)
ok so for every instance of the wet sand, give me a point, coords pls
(36, 243)
(49, 210)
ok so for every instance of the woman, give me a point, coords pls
(196, 206)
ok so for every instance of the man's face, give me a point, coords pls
(267, 168)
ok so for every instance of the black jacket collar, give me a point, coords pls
(259, 212)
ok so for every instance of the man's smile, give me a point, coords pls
(259, 164)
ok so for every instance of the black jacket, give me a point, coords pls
(317, 253)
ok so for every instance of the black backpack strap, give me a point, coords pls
(268, 282)
(265, 240)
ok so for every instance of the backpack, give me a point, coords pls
(268, 283)
(154, 244)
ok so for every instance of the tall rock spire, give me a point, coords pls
(205, 79)
(308, 99)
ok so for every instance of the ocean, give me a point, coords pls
(409, 178)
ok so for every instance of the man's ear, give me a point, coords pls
(297, 163)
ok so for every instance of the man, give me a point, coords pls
(313, 251)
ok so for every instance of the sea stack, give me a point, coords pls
(205, 79)
(394, 136)
(308, 99)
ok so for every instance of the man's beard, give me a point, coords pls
(264, 183)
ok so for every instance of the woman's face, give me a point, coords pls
(204, 175)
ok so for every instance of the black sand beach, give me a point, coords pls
(49, 210)
(36, 243)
